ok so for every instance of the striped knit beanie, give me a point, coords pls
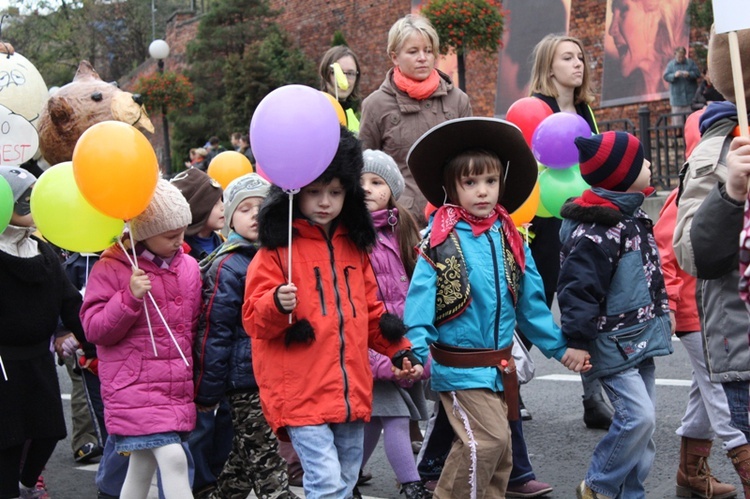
(610, 160)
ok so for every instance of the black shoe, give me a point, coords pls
(596, 413)
(414, 490)
(102, 495)
(87, 452)
(363, 477)
(356, 494)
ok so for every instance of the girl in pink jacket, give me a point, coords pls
(146, 379)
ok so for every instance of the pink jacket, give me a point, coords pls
(143, 392)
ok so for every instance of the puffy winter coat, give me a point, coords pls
(144, 392)
(223, 358)
(611, 291)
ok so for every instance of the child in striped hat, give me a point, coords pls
(614, 305)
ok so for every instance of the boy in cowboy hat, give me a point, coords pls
(474, 280)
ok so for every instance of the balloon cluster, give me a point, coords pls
(82, 205)
(551, 137)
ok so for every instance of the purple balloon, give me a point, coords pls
(294, 134)
(553, 140)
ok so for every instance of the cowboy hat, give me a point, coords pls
(432, 151)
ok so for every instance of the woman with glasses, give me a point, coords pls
(346, 93)
(414, 97)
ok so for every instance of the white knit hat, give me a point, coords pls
(168, 210)
(249, 185)
(384, 166)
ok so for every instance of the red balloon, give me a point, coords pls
(526, 114)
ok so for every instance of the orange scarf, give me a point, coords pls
(418, 90)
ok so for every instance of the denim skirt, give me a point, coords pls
(124, 445)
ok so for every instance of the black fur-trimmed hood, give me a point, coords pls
(273, 217)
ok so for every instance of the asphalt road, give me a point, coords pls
(559, 443)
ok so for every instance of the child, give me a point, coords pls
(203, 194)
(146, 386)
(473, 281)
(211, 441)
(613, 304)
(394, 403)
(313, 372)
(224, 362)
(35, 294)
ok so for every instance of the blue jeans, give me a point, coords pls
(210, 443)
(738, 399)
(522, 470)
(331, 455)
(623, 458)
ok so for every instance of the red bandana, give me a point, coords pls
(448, 215)
(419, 90)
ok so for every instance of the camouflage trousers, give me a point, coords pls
(254, 464)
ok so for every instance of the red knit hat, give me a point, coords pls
(611, 160)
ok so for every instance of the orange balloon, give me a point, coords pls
(227, 166)
(527, 210)
(115, 169)
(337, 106)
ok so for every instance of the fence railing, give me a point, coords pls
(663, 144)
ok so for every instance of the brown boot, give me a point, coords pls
(694, 477)
(740, 457)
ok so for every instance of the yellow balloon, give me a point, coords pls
(116, 169)
(528, 209)
(65, 218)
(338, 74)
(337, 106)
(227, 166)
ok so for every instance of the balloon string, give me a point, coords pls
(2, 366)
(289, 250)
(526, 227)
(134, 264)
(163, 320)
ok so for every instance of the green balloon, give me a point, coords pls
(558, 185)
(541, 211)
(6, 203)
(65, 218)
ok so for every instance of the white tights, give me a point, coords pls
(172, 463)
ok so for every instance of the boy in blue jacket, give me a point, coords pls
(474, 280)
(614, 305)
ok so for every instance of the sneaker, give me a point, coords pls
(532, 488)
(584, 492)
(87, 452)
(296, 473)
(525, 413)
(33, 493)
(596, 413)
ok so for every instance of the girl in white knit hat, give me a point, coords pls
(143, 316)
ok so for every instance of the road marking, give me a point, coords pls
(577, 378)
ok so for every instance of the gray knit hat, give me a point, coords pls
(382, 165)
(168, 210)
(20, 181)
(250, 185)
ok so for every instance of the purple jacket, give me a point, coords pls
(143, 393)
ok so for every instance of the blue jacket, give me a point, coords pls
(611, 291)
(222, 350)
(489, 319)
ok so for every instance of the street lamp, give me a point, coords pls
(159, 50)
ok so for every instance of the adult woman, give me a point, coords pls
(413, 98)
(348, 97)
(561, 78)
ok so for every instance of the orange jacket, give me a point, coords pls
(327, 380)
(680, 285)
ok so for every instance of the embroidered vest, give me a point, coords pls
(453, 293)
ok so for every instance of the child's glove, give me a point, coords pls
(91, 364)
(69, 346)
